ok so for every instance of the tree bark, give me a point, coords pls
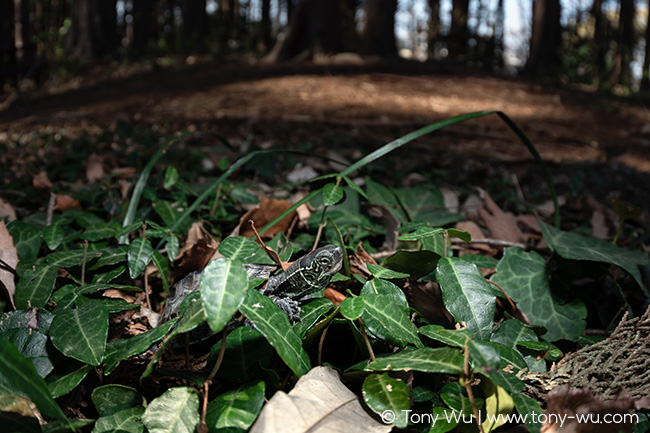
(459, 32)
(434, 27)
(645, 76)
(600, 40)
(379, 33)
(7, 42)
(544, 59)
(315, 27)
(93, 33)
(624, 45)
(195, 24)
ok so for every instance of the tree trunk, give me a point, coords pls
(434, 27)
(379, 33)
(195, 24)
(459, 32)
(645, 77)
(545, 39)
(265, 26)
(497, 34)
(315, 27)
(624, 45)
(7, 42)
(142, 26)
(93, 33)
(600, 40)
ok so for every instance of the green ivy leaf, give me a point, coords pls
(427, 360)
(415, 263)
(236, 409)
(223, 288)
(352, 307)
(420, 233)
(274, 324)
(332, 194)
(381, 393)
(238, 248)
(378, 286)
(467, 296)
(126, 420)
(575, 246)
(63, 385)
(27, 239)
(112, 398)
(523, 277)
(388, 321)
(528, 406)
(66, 259)
(55, 232)
(80, 333)
(138, 256)
(382, 272)
(176, 411)
(35, 286)
(247, 351)
(171, 177)
(18, 376)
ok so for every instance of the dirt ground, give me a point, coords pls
(602, 140)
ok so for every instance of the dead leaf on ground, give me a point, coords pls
(9, 255)
(7, 210)
(65, 202)
(198, 250)
(334, 295)
(318, 403)
(475, 231)
(118, 294)
(268, 209)
(450, 197)
(358, 262)
(95, 168)
(564, 401)
(40, 181)
(501, 225)
(426, 296)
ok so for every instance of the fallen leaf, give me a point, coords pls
(426, 296)
(40, 181)
(501, 225)
(475, 231)
(198, 250)
(318, 403)
(265, 212)
(7, 210)
(9, 255)
(334, 295)
(450, 197)
(94, 168)
(65, 202)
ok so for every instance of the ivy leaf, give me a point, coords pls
(427, 360)
(274, 324)
(80, 333)
(332, 194)
(35, 286)
(467, 296)
(176, 411)
(223, 287)
(238, 248)
(523, 277)
(575, 246)
(236, 409)
(383, 393)
(139, 255)
(389, 321)
(18, 376)
(382, 272)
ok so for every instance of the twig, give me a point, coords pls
(467, 379)
(512, 304)
(320, 345)
(366, 339)
(83, 263)
(50, 209)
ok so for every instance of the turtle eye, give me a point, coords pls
(324, 261)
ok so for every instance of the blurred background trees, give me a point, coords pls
(599, 43)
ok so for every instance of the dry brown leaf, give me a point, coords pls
(118, 294)
(334, 295)
(268, 209)
(9, 255)
(95, 168)
(426, 296)
(7, 210)
(319, 403)
(450, 197)
(197, 251)
(475, 231)
(358, 262)
(124, 172)
(40, 181)
(66, 202)
(501, 225)
(599, 227)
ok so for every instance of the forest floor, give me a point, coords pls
(590, 141)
